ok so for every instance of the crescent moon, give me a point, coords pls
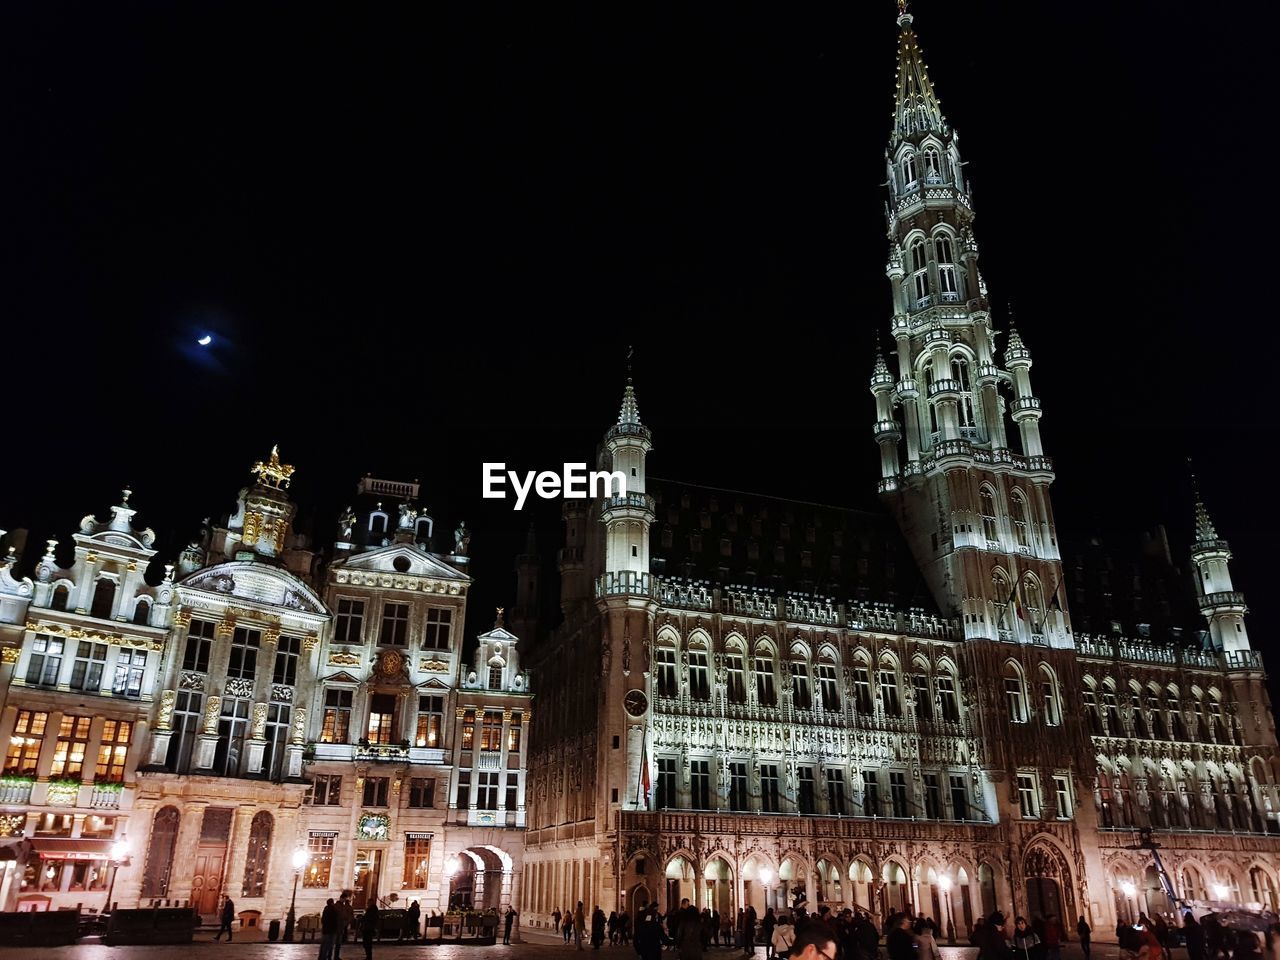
(205, 340)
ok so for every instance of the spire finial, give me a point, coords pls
(631, 351)
(904, 15)
(273, 473)
(1205, 530)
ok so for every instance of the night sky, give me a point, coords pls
(423, 236)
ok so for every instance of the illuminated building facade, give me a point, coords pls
(259, 702)
(801, 703)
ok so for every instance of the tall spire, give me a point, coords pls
(916, 108)
(630, 412)
(1205, 530)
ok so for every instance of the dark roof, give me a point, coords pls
(730, 538)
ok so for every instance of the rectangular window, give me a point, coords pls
(667, 686)
(770, 801)
(959, 798)
(805, 798)
(699, 683)
(439, 623)
(828, 688)
(319, 859)
(395, 625)
(737, 687)
(430, 722)
(422, 793)
(835, 793)
(113, 751)
(932, 797)
(382, 715)
(665, 798)
(46, 661)
(889, 693)
(512, 801)
(765, 694)
(700, 785)
(1028, 797)
(1049, 698)
(417, 861)
(326, 790)
(277, 732)
(233, 729)
(1013, 693)
(802, 696)
(349, 625)
(947, 703)
(513, 733)
(91, 662)
(187, 720)
(464, 789)
(69, 751)
(870, 794)
(288, 650)
(376, 791)
(898, 794)
(924, 703)
(862, 690)
(491, 731)
(337, 716)
(468, 729)
(739, 798)
(130, 667)
(1062, 792)
(487, 791)
(243, 663)
(200, 638)
(495, 676)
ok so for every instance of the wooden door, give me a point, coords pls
(206, 884)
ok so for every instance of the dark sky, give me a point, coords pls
(423, 235)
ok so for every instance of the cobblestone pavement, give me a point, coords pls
(536, 947)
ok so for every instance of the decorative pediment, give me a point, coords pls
(403, 562)
(259, 582)
(340, 677)
(435, 683)
(500, 634)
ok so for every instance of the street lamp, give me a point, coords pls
(1220, 890)
(1127, 888)
(766, 880)
(944, 882)
(299, 861)
(119, 852)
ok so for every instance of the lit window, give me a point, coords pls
(319, 859)
(1028, 797)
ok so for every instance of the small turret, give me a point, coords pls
(1222, 605)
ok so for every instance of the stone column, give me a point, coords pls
(207, 742)
(184, 851)
(237, 853)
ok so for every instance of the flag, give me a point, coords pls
(1055, 603)
(644, 770)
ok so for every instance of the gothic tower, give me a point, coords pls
(974, 507)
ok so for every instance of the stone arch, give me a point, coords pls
(720, 879)
(680, 877)
(894, 891)
(1047, 880)
(760, 882)
(480, 877)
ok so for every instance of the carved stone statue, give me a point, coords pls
(346, 523)
(408, 517)
(461, 540)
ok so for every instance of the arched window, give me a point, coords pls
(960, 373)
(889, 690)
(987, 504)
(1000, 598)
(1050, 706)
(735, 673)
(61, 596)
(159, 867)
(933, 166)
(908, 171)
(1091, 711)
(766, 691)
(1110, 709)
(142, 612)
(1192, 883)
(1264, 891)
(378, 522)
(699, 673)
(668, 680)
(1174, 705)
(1033, 597)
(948, 704)
(920, 272)
(1018, 514)
(104, 595)
(1140, 728)
(827, 684)
(948, 283)
(801, 694)
(1015, 693)
(495, 674)
(1159, 729)
(258, 856)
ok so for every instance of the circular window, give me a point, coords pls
(401, 564)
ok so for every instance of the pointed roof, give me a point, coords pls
(630, 412)
(917, 108)
(1205, 530)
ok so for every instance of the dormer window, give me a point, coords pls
(495, 675)
(378, 522)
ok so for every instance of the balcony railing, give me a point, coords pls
(383, 752)
(625, 582)
(15, 791)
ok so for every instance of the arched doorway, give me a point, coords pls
(862, 884)
(718, 876)
(1153, 890)
(1043, 884)
(895, 888)
(759, 885)
(479, 879)
(638, 899)
(679, 877)
(987, 888)
(830, 884)
(794, 883)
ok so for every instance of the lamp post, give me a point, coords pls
(1221, 890)
(299, 861)
(119, 851)
(766, 880)
(944, 883)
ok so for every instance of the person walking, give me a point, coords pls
(688, 934)
(409, 930)
(369, 924)
(346, 916)
(228, 914)
(328, 929)
(1052, 938)
(508, 919)
(769, 923)
(555, 919)
(783, 936)
(1194, 934)
(926, 945)
(898, 942)
(1085, 933)
(597, 927)
(749, 921)
(579, 924)
(568, 924)
(648, 940)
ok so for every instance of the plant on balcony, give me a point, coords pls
(108, 786)
(309, 752)
(16, 780)
(65, 783)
